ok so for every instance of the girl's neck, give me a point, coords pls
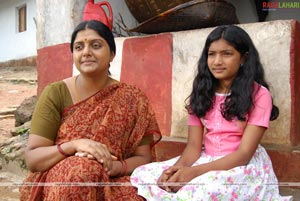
(223, 88)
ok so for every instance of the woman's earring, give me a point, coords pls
(241, 65)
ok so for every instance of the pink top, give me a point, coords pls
(223, 137)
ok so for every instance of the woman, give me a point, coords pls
(89, 132)
(229, 108)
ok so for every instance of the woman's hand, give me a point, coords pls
(94, 150)
(116, 170)
(175, 177)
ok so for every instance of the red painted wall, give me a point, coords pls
(53, 63)
(295, 82)
(147, 63)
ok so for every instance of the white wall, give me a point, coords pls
(121, 12)
(14, 45)
(246, 11)
(56, 20)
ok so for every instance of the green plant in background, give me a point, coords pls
(13, 149)
(23, 130)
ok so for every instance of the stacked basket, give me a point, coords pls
(156, 16)
(143, 10)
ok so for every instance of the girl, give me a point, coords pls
(229, 109)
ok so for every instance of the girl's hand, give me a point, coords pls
(94, 150)
(178, 177)
(164, 177)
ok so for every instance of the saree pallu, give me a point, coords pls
(118, 116)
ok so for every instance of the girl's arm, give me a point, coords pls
(190, 154)
(193, 148)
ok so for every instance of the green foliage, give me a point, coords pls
(22, 131)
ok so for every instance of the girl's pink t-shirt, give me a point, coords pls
(223, 137)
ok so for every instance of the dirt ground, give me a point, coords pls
(16, 84)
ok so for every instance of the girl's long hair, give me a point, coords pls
(240, 100)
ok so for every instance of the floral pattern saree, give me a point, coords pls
(118, 116)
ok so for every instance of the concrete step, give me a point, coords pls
(290, 191)
(19, 80)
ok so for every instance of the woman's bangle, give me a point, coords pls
(61, 150)
(121, 171)
(124, 168)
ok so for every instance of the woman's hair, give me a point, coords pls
(240, 100)
(100, 28)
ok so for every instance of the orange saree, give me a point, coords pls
(118, 116)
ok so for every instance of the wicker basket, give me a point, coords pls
(194, 14)
(143, 10)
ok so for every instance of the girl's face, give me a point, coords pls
(223, 60)
(91, 53)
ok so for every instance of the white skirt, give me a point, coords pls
(255, 181)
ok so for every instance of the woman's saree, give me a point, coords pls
(118, 116)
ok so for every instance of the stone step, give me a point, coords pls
(290, 191)
(8, 111)
(19, 80)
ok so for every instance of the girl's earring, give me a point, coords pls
(241, 65)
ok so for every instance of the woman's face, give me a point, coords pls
(223, 60)
(91, 53)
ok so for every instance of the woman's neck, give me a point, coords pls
(87, 86)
